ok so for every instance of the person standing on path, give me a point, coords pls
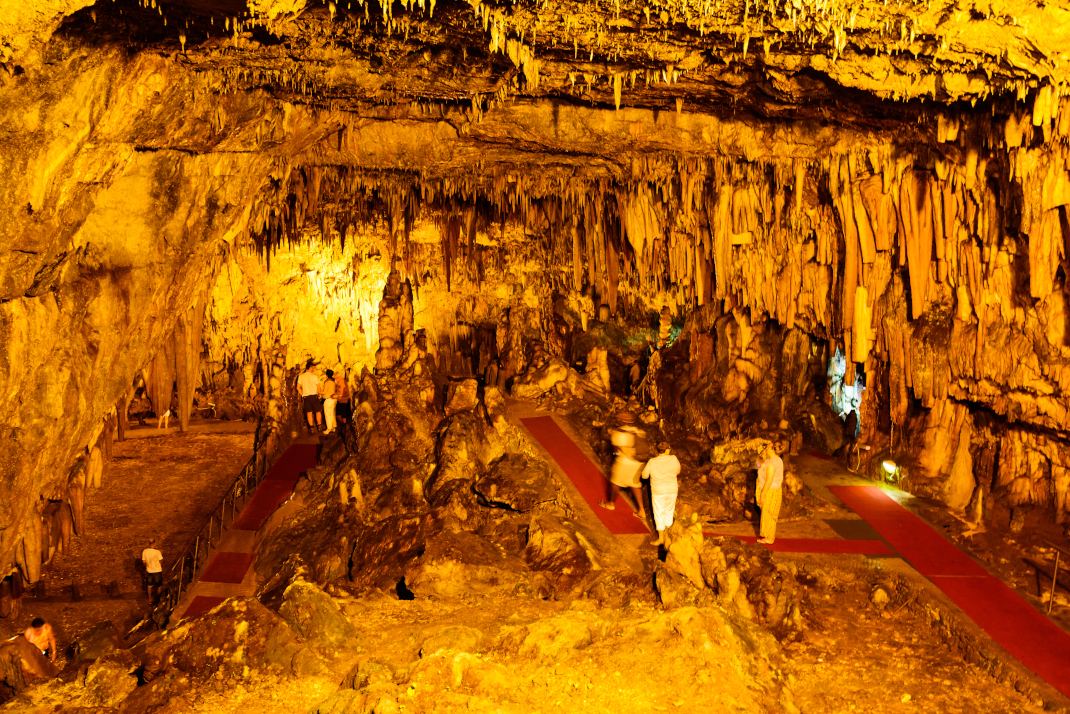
(769, 492)
(40, 635)
(308, 385)
(329, 402)
(343, 411)
(662, 471)
(626, 468)
(153, 560)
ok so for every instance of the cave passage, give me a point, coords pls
(356, 308)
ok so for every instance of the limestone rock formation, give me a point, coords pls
(843, 225)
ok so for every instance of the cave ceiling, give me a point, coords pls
(513, 81)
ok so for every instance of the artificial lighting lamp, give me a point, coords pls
(889, 467)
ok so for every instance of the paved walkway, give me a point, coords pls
(229, 572)
(1028, 635)
(1012, 622)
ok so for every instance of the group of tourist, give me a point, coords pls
(324, 401)
(631, 464)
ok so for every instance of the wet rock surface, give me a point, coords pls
(839, 227)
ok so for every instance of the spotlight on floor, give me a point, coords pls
(889, 467)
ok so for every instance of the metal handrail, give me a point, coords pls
(1059, 550)
(187, 565)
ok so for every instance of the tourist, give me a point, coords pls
(328, 393)
(662, 471)
(308, 385)
(768, 492)
(39, 633)
(343, 410)
(164, 422)
(626, 469)
(153, 560)
(634, 378)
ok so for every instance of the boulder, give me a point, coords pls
(685, 543)
(314, 614)
(99, 640)
(387, 548)
(462, 396)
(460, 563)
(559, 551)
(746, 579)
(454, 638)
(344, 701)
(540, 380)
(238, 634)
(494, 401)
(517, 482)
(466, 444)
(369, 673)
(551, 637)
(674, 589)
(21, 663)
(110, 679)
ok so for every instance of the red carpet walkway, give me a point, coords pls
(815, 545)
(277, 486)
(587, 477)
(1028, 635)
(229, 568)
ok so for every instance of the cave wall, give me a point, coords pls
(107, 242)
(933, 251)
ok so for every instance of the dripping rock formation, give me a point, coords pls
(840, 227)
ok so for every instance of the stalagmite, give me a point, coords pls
(76, 496)
(95, 468)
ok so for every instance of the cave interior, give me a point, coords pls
(839, 227)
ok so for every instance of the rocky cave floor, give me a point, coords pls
(155, 486)
(469, 641)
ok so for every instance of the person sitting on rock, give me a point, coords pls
(40, 635)
(662, 471)
(626, 468)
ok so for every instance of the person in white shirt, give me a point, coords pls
(329, 402)
(662, 471)
(153, 560)
(308, 384)
(768, 492)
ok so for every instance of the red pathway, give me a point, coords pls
(586, 476)
(1028, 635)
(274, 490)
(277, 486)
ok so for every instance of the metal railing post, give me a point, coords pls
(249, 479)
(1054, 579)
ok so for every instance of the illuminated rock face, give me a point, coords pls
(771, 165)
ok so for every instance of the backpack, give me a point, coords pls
(642, 446)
